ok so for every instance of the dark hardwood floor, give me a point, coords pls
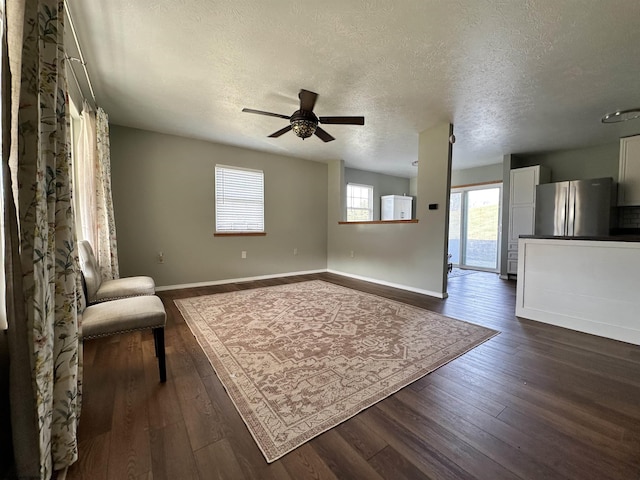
(534, 402)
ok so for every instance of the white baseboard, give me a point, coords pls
(308, 272)
(235, 280)
(391, 284)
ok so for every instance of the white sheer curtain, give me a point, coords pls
(85, 187)
(94, 204)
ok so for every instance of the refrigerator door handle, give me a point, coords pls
(571, 217)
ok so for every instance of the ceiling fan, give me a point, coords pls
(304, 122)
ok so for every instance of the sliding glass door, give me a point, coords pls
(455, 227)
(474, 227)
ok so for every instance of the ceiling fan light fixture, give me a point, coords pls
(304, 122)
(303, 128)
(621, 116)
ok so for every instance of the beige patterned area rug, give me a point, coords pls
(299, 359)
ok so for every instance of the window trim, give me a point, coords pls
(370, 209)
(464, 190)
(227, 233)
(379, 222)
(239, 234)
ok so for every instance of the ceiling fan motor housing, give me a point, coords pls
(304, 123)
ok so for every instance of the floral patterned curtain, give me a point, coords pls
(107, 253)
(48, 256)
(5, 122)
(96, 222)
(24, 424)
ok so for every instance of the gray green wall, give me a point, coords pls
(413, 186)
(577, 164)
(163, 194)
(471, 176)
(382, 185)
(408, 255)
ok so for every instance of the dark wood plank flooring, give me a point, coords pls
(535, 402)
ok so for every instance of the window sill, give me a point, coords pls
(240, 234)
(378, 222)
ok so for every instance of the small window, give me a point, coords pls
(239, 200)
(359, 203)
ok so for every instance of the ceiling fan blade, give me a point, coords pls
(307, 100)
(324, 136)
(282, 131)
(269, 114)
(342, 120)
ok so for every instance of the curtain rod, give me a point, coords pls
(81, 59)
(73, 72)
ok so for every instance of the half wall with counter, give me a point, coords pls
(589, 285)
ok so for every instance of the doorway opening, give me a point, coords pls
(474, 227)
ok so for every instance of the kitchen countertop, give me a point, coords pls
(606, 238)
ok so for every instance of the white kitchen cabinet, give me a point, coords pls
(557, 285)
(395, 207)
(629, 173)
(522, 208)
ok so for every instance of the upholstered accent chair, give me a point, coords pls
(113, 317)
(98, 290)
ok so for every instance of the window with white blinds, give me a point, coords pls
(239, 200)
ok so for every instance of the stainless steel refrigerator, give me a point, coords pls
(576, 208)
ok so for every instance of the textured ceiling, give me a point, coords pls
(513, 76)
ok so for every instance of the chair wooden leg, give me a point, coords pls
(158, 334)
(155, 341)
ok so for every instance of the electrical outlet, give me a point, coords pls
(351, 254)
(295, 251)
(160, 257)
(243, 254)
